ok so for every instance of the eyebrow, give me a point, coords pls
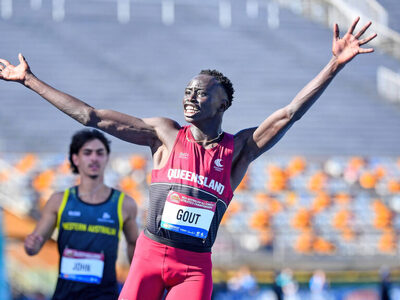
(97, 150)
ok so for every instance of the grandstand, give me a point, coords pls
(327, 196)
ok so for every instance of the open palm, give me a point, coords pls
(347, 47)
(10, 72)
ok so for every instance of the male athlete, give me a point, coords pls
(196, 167)
(89, 218)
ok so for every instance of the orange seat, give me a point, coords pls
(43, 180)
(368, 180)
(26, 163)
(387, 243)
(342, 198)
(383, 215)
(348, 234)
(322, 246)
(260, 220)
(129, 186)
(341, 219)
(393, 186)
(277, 179)
(304, 243)
(321, 201)
(138, 162)
(317, 182)
(380, 172)
(296, 166)
(302, 219)
(64, 167)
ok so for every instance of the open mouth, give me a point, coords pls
(190, 109)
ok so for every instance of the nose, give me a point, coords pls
(94, 157)
(193, 96)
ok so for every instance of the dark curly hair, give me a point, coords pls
(82, 137)
(223, 80)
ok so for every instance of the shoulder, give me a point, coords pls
(54, 202)
(166, 130)
(129, 207)
(162, 123)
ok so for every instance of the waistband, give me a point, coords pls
(174, 244)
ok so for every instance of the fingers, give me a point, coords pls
(4, 62)
(353, 26)
(361, 32)
(335, 31)
(21, 58)
(366, 40)
(367, 50)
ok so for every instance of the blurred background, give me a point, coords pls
(316, 217)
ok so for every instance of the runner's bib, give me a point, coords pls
(187, 215)
(82, 266)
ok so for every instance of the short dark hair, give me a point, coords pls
(82, 137)
(223, 80)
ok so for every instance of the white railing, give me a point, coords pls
(388, 83)
(371, 9)
(329, 12)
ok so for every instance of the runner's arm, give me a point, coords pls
(45, 226)
(255, 141)
(126, 127)
(130, 227)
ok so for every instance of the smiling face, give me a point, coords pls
(91, 159)
(204, 98)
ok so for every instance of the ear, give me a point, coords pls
(75, 159)
(224, 105)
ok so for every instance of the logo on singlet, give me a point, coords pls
(74, 213)
(106, 218)
(183, 155)
(218, 166)
(199, 179)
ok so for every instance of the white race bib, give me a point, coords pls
(187, 215)
(82, 266)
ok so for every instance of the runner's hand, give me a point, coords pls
(33, 243)
(347, 47)
(14, 73)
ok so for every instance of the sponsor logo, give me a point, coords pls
(74, 213)
(175, 198)
(218, 166)
(106, 215)
(183, 155)
(106, 218)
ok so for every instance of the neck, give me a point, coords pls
(207, 136)
(92, 189)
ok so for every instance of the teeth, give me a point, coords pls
(190, 109)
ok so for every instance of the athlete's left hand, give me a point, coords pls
(347, 47)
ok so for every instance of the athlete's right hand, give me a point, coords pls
(14, 73)
(33, 243)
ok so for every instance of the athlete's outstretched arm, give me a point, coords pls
(45, 226)
(128, 128)
(256, 141)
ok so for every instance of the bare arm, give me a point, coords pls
(128, 128)
(130, 226)
(251, 143)
(257, 140)
(45, 226)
